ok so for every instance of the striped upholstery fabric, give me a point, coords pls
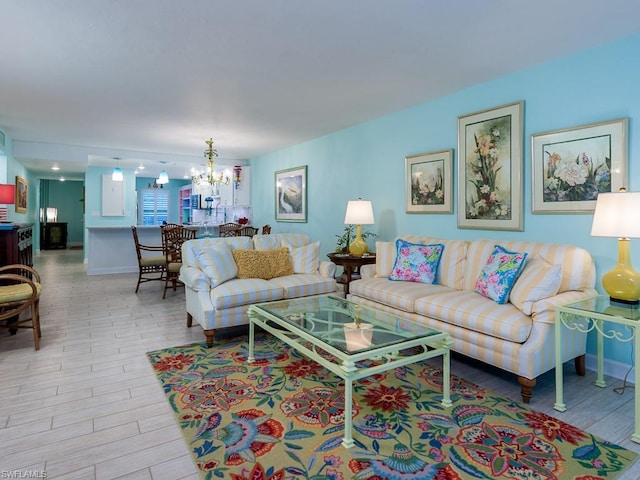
(244, 291)
(304, 259)
(400, 295)
(217, 263)
(478, 314)
(539, 279)
(385, 258)
(190, 248)
(578, 269)
(278, 240)
(304, 285)
(451, 270)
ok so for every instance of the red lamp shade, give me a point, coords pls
(7, 194)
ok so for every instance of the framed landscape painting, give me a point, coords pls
(490, 168)
(22, 195)
(428, 182)
(291, 195)
(571, 166)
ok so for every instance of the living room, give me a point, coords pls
(367, 160)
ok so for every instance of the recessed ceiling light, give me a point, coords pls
(55, 167)
(141, 167)
(62, 179)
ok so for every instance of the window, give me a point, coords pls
(154, 205)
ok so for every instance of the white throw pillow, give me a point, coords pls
(304, 259)
(539, 279)
(217, 263)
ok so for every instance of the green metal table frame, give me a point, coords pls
(347, 366)
(594, 314)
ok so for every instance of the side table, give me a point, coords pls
(594, 313)
(351, 266)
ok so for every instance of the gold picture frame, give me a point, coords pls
(22, 195)
(490, 146)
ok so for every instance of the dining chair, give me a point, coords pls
(248, 231)
(152, 262)
(172, 240)
(229, 229)
(20, 289)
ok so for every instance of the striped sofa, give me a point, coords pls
(216, 298)
(516, 336)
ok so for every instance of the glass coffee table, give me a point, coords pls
(350, 333)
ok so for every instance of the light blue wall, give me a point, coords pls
(367, 160)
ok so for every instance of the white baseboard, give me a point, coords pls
(612, 368)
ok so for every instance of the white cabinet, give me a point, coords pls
(226, 194)
(112, 197)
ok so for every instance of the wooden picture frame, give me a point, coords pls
(428, 182)
(291, 195)
(490, 146)
(22, 195)
(571, 166)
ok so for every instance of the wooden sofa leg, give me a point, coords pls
(581, 368)
(189, 320)
(526, 389)
(209, 334)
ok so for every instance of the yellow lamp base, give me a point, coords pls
(623, 282)
(358, 247)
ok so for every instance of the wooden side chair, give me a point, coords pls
(20, 289)
(152, 263)
(172, 240)
(248, 231)
(229, 229)
(266, 229)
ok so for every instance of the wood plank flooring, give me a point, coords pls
(88, 406)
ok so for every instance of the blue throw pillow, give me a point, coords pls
(500, 274)
(416, 262)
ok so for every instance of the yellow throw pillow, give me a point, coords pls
(264, 264)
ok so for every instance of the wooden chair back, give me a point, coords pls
(266, 229)
(229, 229)
(248, 231)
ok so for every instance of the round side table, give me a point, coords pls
(351, 266)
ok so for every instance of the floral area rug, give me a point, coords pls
(282, 417)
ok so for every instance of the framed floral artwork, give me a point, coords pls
(490, 168)
(291, 195)
(22, 195)
(429, 185)
(571, 166)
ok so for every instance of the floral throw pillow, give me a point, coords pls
(416, 262)
(500, 274)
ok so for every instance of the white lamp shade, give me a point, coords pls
(359, 212)
(616, 215)
(117, 175)
(163, 178)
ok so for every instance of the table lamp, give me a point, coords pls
(359, 212)
(7, 197)
(616, 215)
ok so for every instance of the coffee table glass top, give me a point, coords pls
(345, 325)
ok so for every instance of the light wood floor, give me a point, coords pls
(88, 406)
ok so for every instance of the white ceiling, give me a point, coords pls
(83, 81)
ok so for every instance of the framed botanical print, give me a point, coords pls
(571, 166)
(428, 182)
(490, 168)
(291, 194)
(22, 195)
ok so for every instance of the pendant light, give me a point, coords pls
(117, 175)
(163, 178)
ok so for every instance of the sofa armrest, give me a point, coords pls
(194, 278)
(544, 310)
(327, 269)
(368, 271)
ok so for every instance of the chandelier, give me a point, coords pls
(209, 175)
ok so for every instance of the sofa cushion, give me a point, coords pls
(264, 264)
(247, 291)
(452, 268)
(400, 295)
(385, 258)
(277, 240)
(304, 285)
(416, 262)
(217, 263)
(304, 259)
(499, 274)
(539, 279)
(476, 313)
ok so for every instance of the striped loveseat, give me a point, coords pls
(217, 298)
(517, 336)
